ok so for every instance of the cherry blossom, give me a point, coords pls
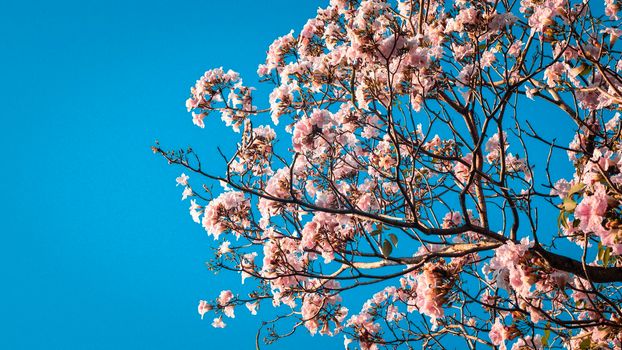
(182, 180)
(204, 307)
(218, 323)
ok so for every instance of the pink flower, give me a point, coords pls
(452, 219)
(218, 323)
(561, 188)
(488, 58)
(280, 99)
(428, 299)
(530, 92)
(393, 314)
(529, 343)
(498, 334)
(195, 211)
(515, 48)
(509, 267)
(541, 18)
(197, 119)
(462, 171)
(186, 193)
(224, 248)
(192, 103)
(229, 211)
(225, 297)
(553, 74)
(204, 307)
(611, 9)
(591, 210)
(418, 58)
(252, 307)
(229, 311)
(262, 70)
(493, 146)
(182, 180)
(278, 186)
(277, 51)
(346, 342)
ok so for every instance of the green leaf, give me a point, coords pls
(569, 204)
(386, 248)
(606, 256)
(393, 239)
(575, 188)
(585, 343)
(586, 71)
(547, 335)
(561, 220)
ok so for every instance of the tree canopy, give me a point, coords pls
(398, 156)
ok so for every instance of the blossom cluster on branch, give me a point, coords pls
(397, 158)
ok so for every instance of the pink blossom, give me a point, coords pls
(518, 165)
(498, 334)
(528, 343)
(418, 58)
(225, 297)
(197, 119)
(591, 210)
(462, 171)
(229, 211)
(195, 211)
(428, 300)
(611, 9)
(461, 51)
(541, 18)
(278, 186)
(327, 233)
(488, 58)
(247, 265)
(224, 248)
(510, 269)
(393, 315)
(229, 311)
(182, 180)
(553, 73)
(218, 323)
(203, 308)
(561, 188)
(346, 342)
(186, 193)
(530, 92)
(252, 307)
(493, 147)
(515, 48)
(278, 49)
(452, 219)
(280, 99)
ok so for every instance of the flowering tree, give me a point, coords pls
(406, 169)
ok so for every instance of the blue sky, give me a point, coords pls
(98, 251)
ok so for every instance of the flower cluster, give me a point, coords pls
(227, 212)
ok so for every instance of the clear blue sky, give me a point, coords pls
(98, 251)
